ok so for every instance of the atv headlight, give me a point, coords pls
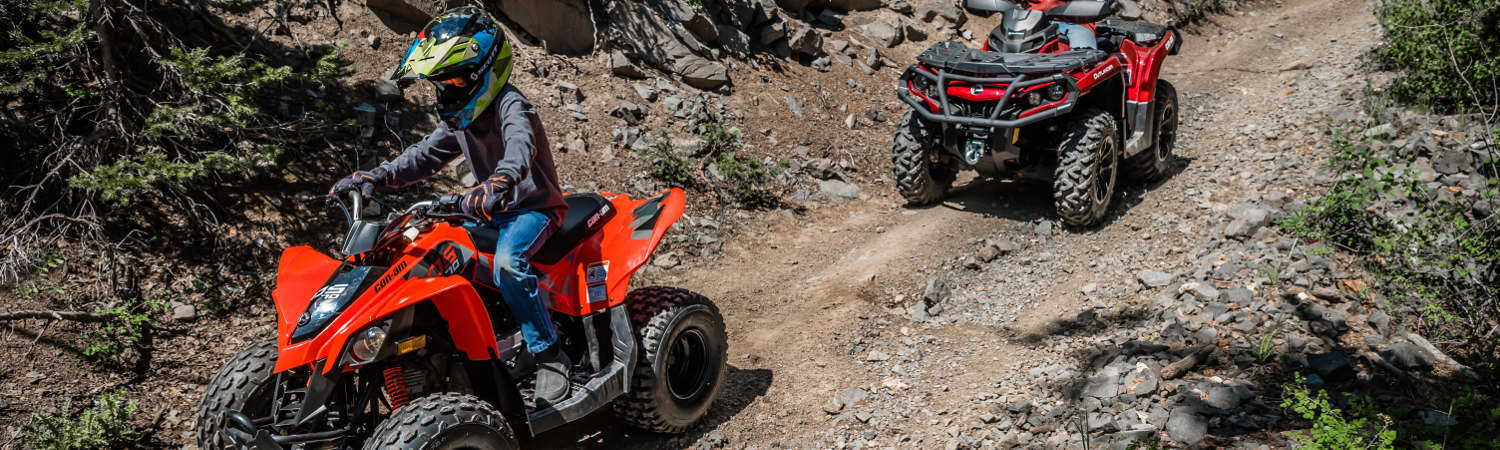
(367, 343)
(1034, 98)
(1055, 92)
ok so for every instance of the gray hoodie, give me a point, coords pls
(508, 140)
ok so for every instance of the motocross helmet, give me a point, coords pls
(466, 57)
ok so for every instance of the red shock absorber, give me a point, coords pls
(395, 387)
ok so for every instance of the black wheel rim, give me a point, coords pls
(1167, 136)
(687, 364)
(1104, 172)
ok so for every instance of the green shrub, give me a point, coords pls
(132, 321)
(104, 425)
(1331, 430)
(716, 164)
(1427, 249)
(1447, 50)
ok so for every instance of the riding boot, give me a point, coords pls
(552, 375)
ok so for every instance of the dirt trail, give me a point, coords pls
(795, 323)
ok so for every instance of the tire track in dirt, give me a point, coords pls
(794, 294)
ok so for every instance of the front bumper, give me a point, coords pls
(999, 116)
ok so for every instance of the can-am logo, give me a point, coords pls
(976, 90)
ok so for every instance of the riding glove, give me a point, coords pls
(487, 198)
(363, 180)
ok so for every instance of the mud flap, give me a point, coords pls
(1138, 128)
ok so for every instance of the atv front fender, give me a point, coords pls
(452, 296)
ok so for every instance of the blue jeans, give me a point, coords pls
(521, 235)
(1079, 36)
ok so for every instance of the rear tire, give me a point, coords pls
(245, 384)
(446, 420)
(683, 351)
(1087, 159)
(1151, 165)
(919, 179)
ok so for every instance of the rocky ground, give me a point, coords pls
(981, 322)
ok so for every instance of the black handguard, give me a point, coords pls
(447, 202)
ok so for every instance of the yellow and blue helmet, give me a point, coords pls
(466, 57)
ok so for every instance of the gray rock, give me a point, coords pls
(1153, 279)
(1380, 322)
(1332, 366)
(1222, 397)
(806, 40)
(564, 26)
(1324, 321)
(839, 189)
(386, 90)
(632, 113)
(851, 396)
(854, 5)
(877, 356)
(570, 93)
(1186, 426)
(1043, 229)
(645, 92)
(183, 312)
(883, 33)
(945, 11)
(702, 73)
(822, 64)
(621, 65)
(937, 290)
(913, 30)
(1239, 296)
(1202, 291)
(1102, 386)
(795, 105)
(416, 12)
(1409, 356)
(734, 41)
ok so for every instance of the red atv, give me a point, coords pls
(406, 343)
(1028, 106)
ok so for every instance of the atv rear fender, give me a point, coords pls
(1145, 65)
(596, 275)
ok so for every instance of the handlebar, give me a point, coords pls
(352, 204)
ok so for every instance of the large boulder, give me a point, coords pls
(648, 30)
(855, 5)
(563, 26)
(417, 12)
(806, 40)
(882, 32)
(701, 73)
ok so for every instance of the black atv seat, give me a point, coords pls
(955, 56)
(1140, 32)
(587, 213)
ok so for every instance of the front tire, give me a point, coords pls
(1151, 165)
(919, 179)
(1087, 160)
(245, 384)
(445, 421)
(683, 351)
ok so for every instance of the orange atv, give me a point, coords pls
(406, 343)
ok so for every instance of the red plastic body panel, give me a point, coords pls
(621, 247)
(453, 296)
(300, 273)
(1144, 64)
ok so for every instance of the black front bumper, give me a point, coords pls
(997, 116)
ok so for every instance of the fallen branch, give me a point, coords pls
(56, 315)
(1187, 363)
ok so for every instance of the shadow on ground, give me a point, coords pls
(603, 430)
